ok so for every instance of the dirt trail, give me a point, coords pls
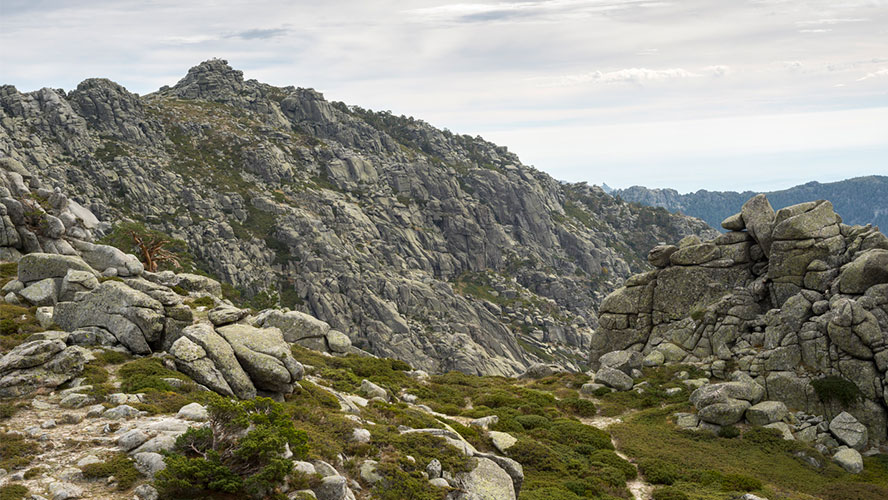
(640, 489)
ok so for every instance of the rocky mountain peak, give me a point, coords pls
(212, 80)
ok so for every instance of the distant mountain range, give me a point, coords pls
(861, 200)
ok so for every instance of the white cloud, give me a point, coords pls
(875, 74)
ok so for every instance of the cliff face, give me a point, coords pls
(787, 298)
(861, 200)
(439, 249)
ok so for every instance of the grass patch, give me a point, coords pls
(16, 452)
(760, 460)
(14, 492)
(118, 465)
(16, 324)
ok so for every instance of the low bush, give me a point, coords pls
(145, 373)
(16, 451)
(609, 458)
(239, 453)
(120, 466)
(669, 493)
(837, 389)
(728, 432)
(550, 493)
(7, 410)
(14, 492)
(739, 482)
(658, 471)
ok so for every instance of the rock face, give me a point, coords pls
(789, 297)
(382, 227)
(487, 481)
(40, 364)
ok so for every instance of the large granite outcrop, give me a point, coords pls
(372, 223)
(788, 297)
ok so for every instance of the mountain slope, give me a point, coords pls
(861, 200)
(438, 249)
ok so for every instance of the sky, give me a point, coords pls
(694, 94)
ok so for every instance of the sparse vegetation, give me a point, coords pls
(119, 466)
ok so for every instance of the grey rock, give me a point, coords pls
(121, 412)
(38, 266)
(625, 361)
(726, 412)
(614, 378)
(264, 355)
(766, 412)
(40, 293)
(372, 390)
(59, 490)
(487, 481)
(149, 463)
(224, 315)
(195, 412)
(434, 469)
(133, 317)
(146, 492)
(132, 439)
(369, 473)
(192, 360)
(222, 355)
(334, 488)
(502, 441)
(850, 460)
(849, 430)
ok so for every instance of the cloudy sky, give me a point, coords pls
(714, 94)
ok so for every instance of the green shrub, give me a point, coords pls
(578, 406)
(118, 465)
(34, 472)
(109, 357)
(145, 373)
(728, 431)
(533, 454)
(838, 389)
(240, 452)
(16, 451)
(668, 493)
(398, 484)
(7, 410)
(571, 431)
(549, 493)
(657, 471)
(609, 458)
(14, 492)
(739, 482)
(854, 491)
(205, 301)
(529, 422)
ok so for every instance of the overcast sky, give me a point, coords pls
(715, 94)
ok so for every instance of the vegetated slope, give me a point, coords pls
(861, 200)
(439, 249)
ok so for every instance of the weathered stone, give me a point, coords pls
(870, 268)
(372, 390)
(134, 318)
(727, 412)
(625, 361)
(39, 266)
(614, 378)
(225, 362)
(502, 441)
(193, 411)
(192, 360)
(734, 223)
(766, 412)
(487, 481)
(850, 460)
(264, 355)
(758, 217)
(848, 430)
(224, 315)
(40, 293)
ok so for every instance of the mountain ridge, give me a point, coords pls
(858, 199)
(409, 239)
